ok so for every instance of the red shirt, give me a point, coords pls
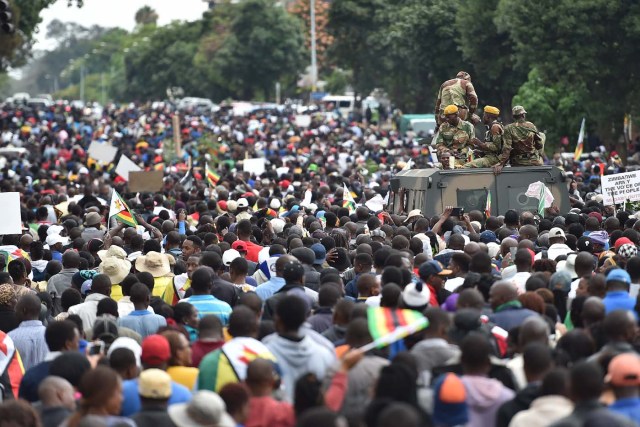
(201, 348)
(268, 412)
(253, 250)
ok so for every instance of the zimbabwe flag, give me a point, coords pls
(212, 177)
(121, 211)
(387, 325)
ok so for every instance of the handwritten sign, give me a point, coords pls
(620, 187)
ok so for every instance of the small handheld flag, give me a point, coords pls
(487, 207)
(121, 211)
(579, 145)
(387, 325)
(212, 177)
(347, 200)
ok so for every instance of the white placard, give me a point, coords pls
(303, 121)
(102, 152)
(255, 166)
(376, 203)
(126, 165)
(11, 222)
(621, 187)
(282, 170)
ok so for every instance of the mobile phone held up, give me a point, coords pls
(457, 212)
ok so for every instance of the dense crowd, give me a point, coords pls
(244, 300)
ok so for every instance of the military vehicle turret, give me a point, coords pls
(430, 190)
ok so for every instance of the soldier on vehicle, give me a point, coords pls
(459, 92)
(454, 137)
(492, 145)
(522, 144)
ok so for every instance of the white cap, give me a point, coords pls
(557, 232)
(54, 239)
(242, 203)
(54, 229)
(229, 255)
(278, 225)
(275, 204)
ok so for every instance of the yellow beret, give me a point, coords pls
(451, 109)
(491, 110)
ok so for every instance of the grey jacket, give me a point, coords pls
(57, 284)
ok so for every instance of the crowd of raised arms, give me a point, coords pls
(235, 298)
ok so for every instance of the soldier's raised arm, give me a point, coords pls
(472, 98)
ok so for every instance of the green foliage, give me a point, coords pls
(338, 81)
(146, 15)
(264, 45)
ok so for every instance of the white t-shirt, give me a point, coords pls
(452, 284)
(520, 280)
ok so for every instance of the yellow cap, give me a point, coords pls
(450, 109)
(154, 384)
(491, 110)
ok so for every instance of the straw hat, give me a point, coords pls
(155, 263)
(117, 269)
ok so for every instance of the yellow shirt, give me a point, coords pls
(163, 288)
(184, 375)
(116, 292)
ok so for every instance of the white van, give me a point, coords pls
(344, 104)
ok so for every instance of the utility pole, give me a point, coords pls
(102, 89)
(82, 83)
(314, 64)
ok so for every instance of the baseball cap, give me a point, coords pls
(430, 268)
(624, 370)
(622, 241)
(488, 236)
(154, 384)
(557, 232)
(278, 225)
(450, 401)
(54, 229)
(275, 204)
(243, 203)
(596, 215)
(239, 245)
(320, 253)
(618, 275)
(54, 239)
(229, 255)
(293, 270)
(128, 343)
(155, 350)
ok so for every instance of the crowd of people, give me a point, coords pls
(244, 300)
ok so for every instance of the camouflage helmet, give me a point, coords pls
(518, 110)
(463, 75)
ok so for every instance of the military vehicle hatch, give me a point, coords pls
(430, 190)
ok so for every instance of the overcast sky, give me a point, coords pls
(116, 13)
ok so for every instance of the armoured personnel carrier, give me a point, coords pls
(430, 190)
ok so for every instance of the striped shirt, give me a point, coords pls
(208, 304)
(29, 340)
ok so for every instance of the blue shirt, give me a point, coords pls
(629, 408)
(143, 322)
(208, 304)
(267, 289)
(29, 340)
(131, 399)
(619, 300)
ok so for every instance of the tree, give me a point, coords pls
(264, 46)
(489, 52)
(15, 48)
(302, 9)
(146, 15)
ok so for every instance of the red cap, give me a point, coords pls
(155, 350)
(622, 241)
(285, 183)
(222, 204)
(596, 215)
(239, 246)
(624, 370)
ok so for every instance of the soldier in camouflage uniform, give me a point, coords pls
(458, 92)
(492, 145)
(522, 144)
(454, 137)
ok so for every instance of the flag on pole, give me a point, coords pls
(187, 180)
(539, 191)
(579, 145)
(121, 211)
(487, 206)
(212, 177)
(347, 200)
(388, 325)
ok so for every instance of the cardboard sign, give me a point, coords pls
(11, 222)
(126, 165)
(102, 152)
(255, 166)
(620, 187)
(145, 181)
